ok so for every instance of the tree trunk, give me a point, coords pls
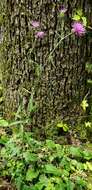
(59, 86)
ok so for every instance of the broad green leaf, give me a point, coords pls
(51, 169)
(75, 151)
(30, 157)
(43, 182)
(3, 140)
(31, 174)
(37, 186)
(63, 125)
(4, 123)
(76, 17)
(50, 144)
(87, 155)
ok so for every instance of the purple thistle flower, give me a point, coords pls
(35, 24)
(78, 28)
(40, 34)
(62, 9)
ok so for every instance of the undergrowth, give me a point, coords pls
(30, 164)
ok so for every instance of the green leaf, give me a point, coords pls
(50, 144)
(26, 187)
(3, 140)
(79, 12)
(4, 123)
(87, 155)
(84, 104)
(30, 157)
(31, 174)
(70, 185)
(51, 169)
(60, 186)
(76, 17)
(84, 20)
(63, 125)
(50, 186)
(75, 151)
(37, 186)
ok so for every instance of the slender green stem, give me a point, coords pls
(62, 38)
(33, 46)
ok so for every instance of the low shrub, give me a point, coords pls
(36, 165)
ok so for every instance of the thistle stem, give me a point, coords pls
(59, 43)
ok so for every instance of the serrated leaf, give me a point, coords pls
(76, 17)
(31, 174)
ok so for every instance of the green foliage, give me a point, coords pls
(78, 16)
(63, 126)
(84, 104)
(35, 165)
(3, 123)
